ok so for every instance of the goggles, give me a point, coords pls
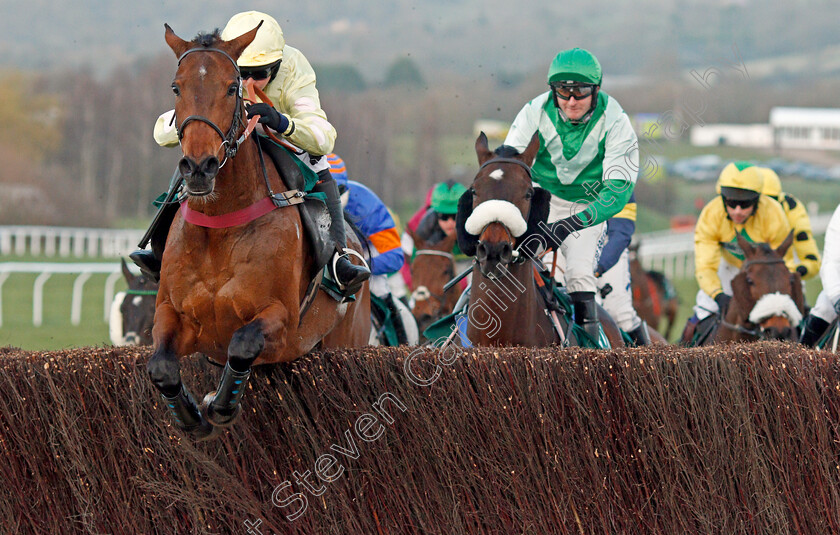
(738, 203)
(578, 91)
(445, 217)
(257, 73)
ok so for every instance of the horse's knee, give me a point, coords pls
(245, 345)
(165, 372)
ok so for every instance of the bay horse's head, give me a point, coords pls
(502, 209)
(208, 104)
(432, 267)
(767, 297)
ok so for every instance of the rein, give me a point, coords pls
(231, 145)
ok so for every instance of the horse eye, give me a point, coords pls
(529, 194)
(176, 90)
(232, 89)
(750, 281)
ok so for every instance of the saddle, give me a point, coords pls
(314, 215)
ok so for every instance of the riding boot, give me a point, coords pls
(586, 313)
(812, 331)
(640, 335)
(149, 261)
(348, 276)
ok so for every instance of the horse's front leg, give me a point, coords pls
(222, 406)
(165, 372)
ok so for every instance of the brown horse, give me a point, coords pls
(432, 267)
(767, 301)
(650, 295)
(499, 223)
(233, 293)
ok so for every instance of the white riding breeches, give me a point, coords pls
(706, 306)
(577, 251)
(619, 301)
(824, 308)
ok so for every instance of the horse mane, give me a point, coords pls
(766, 249)
(208, 40)
(506, 151)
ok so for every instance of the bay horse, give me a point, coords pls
(767, 300)
(432, 267)
(498, 222)
(133, 311)
(234, 293)
(651, 297)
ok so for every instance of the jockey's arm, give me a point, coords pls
(776, 227)
(707, 254)
(295, 95)
(830, 269)
(803, 238)
(619, 235)
(620, 170)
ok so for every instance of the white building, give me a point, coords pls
(736, 135)
(806, 128)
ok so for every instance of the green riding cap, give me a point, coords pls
(445, 197)
(575, 64)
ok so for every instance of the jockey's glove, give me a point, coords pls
(560, 230)
(723, 301)
(269, 116)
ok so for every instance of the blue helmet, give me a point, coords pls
(338, 169)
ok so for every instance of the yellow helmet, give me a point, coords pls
(267, 46)
(740, 181)
(772, 184)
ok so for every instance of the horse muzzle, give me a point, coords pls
(491, 255)
(200, 178)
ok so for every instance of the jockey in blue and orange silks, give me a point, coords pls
(373, 219)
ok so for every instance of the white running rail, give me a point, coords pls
(46, 269)
(67, 242)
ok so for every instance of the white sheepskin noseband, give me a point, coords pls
(775, 304)
(504, 212)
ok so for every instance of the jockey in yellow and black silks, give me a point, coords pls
(740, 207)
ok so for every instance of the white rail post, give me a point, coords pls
(38, 299)
(3, 277)
(76, 305)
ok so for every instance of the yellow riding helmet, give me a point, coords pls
(740, 181)
(772, 184)
(267, 46)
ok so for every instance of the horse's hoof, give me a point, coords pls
(216, 417)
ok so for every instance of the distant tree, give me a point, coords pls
(404, 72)
(31, 118)
(341, 77)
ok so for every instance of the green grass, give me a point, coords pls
(56, 332)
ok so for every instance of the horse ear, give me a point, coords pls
(237, 45)
(796, 291)
(466, 242)
(481, 149)
(783, 248)
(129, 276)
(178, 45)
(745, 246)
(531, 150)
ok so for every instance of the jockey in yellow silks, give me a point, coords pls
(740, 207)
(288, 80)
